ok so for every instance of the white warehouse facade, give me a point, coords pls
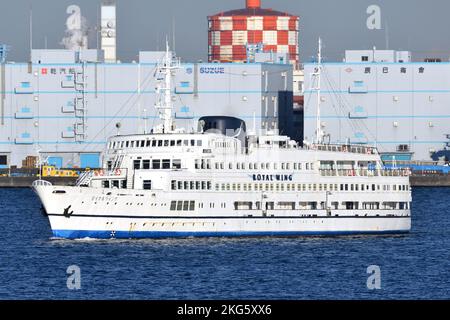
(382, 98)
(65, 104)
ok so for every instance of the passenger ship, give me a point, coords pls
(224, 180)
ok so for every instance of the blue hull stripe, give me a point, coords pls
(79, 234)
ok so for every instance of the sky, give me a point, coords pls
(415, 25)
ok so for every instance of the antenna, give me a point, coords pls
(31, 30)
(173, 33)
(318, 74)
(386, 29)
(164, 103)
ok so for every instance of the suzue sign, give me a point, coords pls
(212, 70)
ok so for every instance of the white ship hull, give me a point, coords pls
(102, 221)
(134, 228)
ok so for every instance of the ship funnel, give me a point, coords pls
(253, 4)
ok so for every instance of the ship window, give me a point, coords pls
(217, 166)
(136, 164)
(124, 184)
(373, 187)
(295, 166)
(173, 205)
(186, 143)
(179, 205)
(307, 166)
(127, 144)
(243, 166)
(166, 143)
(238, 166)
(115, 184)
(147, 184)
(160, 143)
(192, 185)
(147, 143)
(156, 164)
(230, 166)
(166, 164)
(275, 166)
(180, 185)
(179, 143)
(142, 143)
(256, 166)
(197, 185)
(191, 205)
(106, 184)
(250, 166)
(174, 185)
(176, 164)
(186, 185)
(145, 164)
(288, 166)
(154, 143)
(172, 143)
(199, 143)
(185, 205)
(192, 143)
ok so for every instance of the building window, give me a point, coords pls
(421, 70)
(365, 58)
(147, 185)
(146, 164)
(156, 164)
(176, 164)
(137, 164)
(3, 160)
(173, 205)
(403, 70)
(166, 164)
(385, 70)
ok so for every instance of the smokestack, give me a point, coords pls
(253, 4)
(108, 30)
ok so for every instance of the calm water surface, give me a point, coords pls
(413, 266)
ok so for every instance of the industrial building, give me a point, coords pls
(383, 98)
(234, 36)
(65, 104)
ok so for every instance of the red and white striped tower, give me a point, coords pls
(230, 32)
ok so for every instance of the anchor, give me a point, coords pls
(66, 213)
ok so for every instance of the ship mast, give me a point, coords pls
(164, 103)
(318, 74)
